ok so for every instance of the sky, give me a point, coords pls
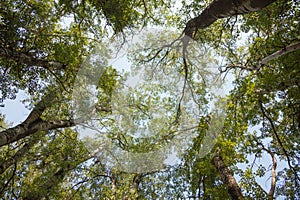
(15, 112)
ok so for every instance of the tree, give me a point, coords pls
(222, 9)
(43, 156)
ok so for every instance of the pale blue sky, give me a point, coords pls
(14, 110)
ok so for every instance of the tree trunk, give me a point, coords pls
(33, 123)
(273, 180)
(21, 131)
(25, 58)
(221, 9)
(233, 188)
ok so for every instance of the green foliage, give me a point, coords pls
(43, 46)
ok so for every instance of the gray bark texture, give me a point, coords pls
(221, 9)
(33, 123)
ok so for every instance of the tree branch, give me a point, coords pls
(30, 60)
(233, 188)
(281, 52)
(278, 138)
(5, 164)
(290, 48)
(25, 128)
(271, 192)
(56, 178)
(38, 110)
(20, 131)
(220, 9)
(273, 181)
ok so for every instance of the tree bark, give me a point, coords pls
(288, 49)
(221, 9)
(273, 180)
(30, 60)
(20, 131)
(233, 188)
(33, 123)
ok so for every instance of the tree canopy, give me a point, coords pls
(89, 135)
